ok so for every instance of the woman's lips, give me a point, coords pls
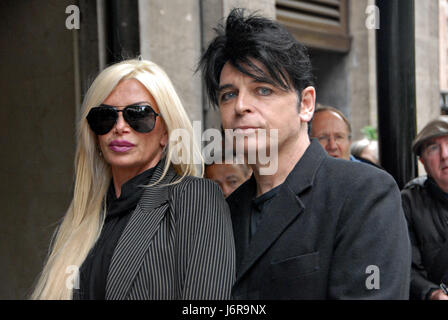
(121, 146)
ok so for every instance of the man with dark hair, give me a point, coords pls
(318, 227)
(425, 204)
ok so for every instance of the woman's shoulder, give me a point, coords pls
(199, 201)
(191, 184)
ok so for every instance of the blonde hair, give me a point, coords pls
(84, 219)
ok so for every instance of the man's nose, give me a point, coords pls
(226, 190)
(243, 102)
(444, 150)
(331, 144)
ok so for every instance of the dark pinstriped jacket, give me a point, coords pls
(178, 244)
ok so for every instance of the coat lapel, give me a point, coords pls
(285, 208)
(271, 226)
(138, 235)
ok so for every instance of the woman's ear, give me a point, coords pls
(307, 104)
(164, 139)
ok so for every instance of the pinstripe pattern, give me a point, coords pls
(178, 244)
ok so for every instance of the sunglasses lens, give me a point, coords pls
(102, 119)
(141, 118)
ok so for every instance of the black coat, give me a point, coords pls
(426, 210)
(330, 221)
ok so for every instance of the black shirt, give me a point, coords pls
(94, 270)
(258, 207)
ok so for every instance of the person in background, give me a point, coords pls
(333, 131)
(425, 204)
(365, 150)
(142, 224)
(228, 176)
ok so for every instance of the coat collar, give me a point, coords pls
(277, 219)
(138, 233)
(304, 172)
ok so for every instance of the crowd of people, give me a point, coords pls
(330, 223)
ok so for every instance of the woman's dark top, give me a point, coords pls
(94, 270)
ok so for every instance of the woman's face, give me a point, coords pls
(125, 149)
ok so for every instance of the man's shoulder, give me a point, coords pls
(415, 192)
(416, 184)
(346, 171)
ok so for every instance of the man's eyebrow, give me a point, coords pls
(260, 80)
(265, 80)
(225, 86)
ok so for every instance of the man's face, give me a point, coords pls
(227, 176)
(248, 105)
(332, 132)
(435, 160)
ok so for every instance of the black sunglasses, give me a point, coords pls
(141, 118)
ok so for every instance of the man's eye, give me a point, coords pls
(264, 91)
(433, 148)
(227, 96)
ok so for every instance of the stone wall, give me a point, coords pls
(38, 109)
(427, 63)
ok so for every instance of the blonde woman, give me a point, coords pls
(141, 225)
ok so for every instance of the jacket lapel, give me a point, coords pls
(271, 226)
(285, 208)
(138, 235)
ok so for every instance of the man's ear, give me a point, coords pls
(307, 104)
(421, 160)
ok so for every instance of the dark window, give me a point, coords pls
(320, 24)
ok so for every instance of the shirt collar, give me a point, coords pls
(304, 172)
(131, 191)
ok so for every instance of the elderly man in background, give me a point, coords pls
(334, 132)
(425, 203)
(228, 176)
